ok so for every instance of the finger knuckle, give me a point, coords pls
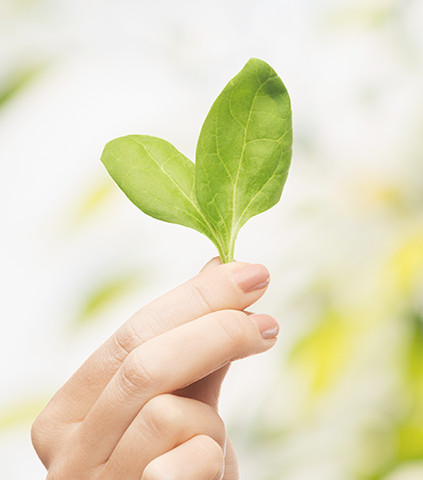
(37, 428)
(42, 436)
(212, 455)
(137, 372)
(51, 450)
(38, 440)
(233, 324)
(163, 414)
(124, 340)
(220, 431)
(215, 424)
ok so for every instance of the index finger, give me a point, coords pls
(233, 286)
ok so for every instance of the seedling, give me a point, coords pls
(242, 159)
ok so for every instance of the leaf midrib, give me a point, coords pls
(243, 153)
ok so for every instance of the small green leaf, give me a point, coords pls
(242, 161)
(244, 151)
(157, 178)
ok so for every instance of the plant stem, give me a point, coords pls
(226, 252)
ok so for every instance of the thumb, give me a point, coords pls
(206, 390)
(214, 262)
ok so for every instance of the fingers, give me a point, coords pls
(178, 464)
(165, 422)
(207, 389)
(230, 286)
(214, 262)
(169, 362)
(218, 287)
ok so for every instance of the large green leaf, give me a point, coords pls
(243, 157)
(244, 150)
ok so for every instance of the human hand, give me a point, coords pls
(144, 404)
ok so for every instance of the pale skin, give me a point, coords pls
(144, 405)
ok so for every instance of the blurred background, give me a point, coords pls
(341, 396)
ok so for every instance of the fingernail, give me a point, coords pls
(251, 277)
(267, 325)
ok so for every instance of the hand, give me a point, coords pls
(144, 405)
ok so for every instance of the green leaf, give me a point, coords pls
(157, 178)
(244, 151)
(243, 157)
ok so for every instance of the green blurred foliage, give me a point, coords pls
(17, 81)
(369, 14)
(22, 412)
(104, 295)
(92, 202)
(323, 353)
(407, 266)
